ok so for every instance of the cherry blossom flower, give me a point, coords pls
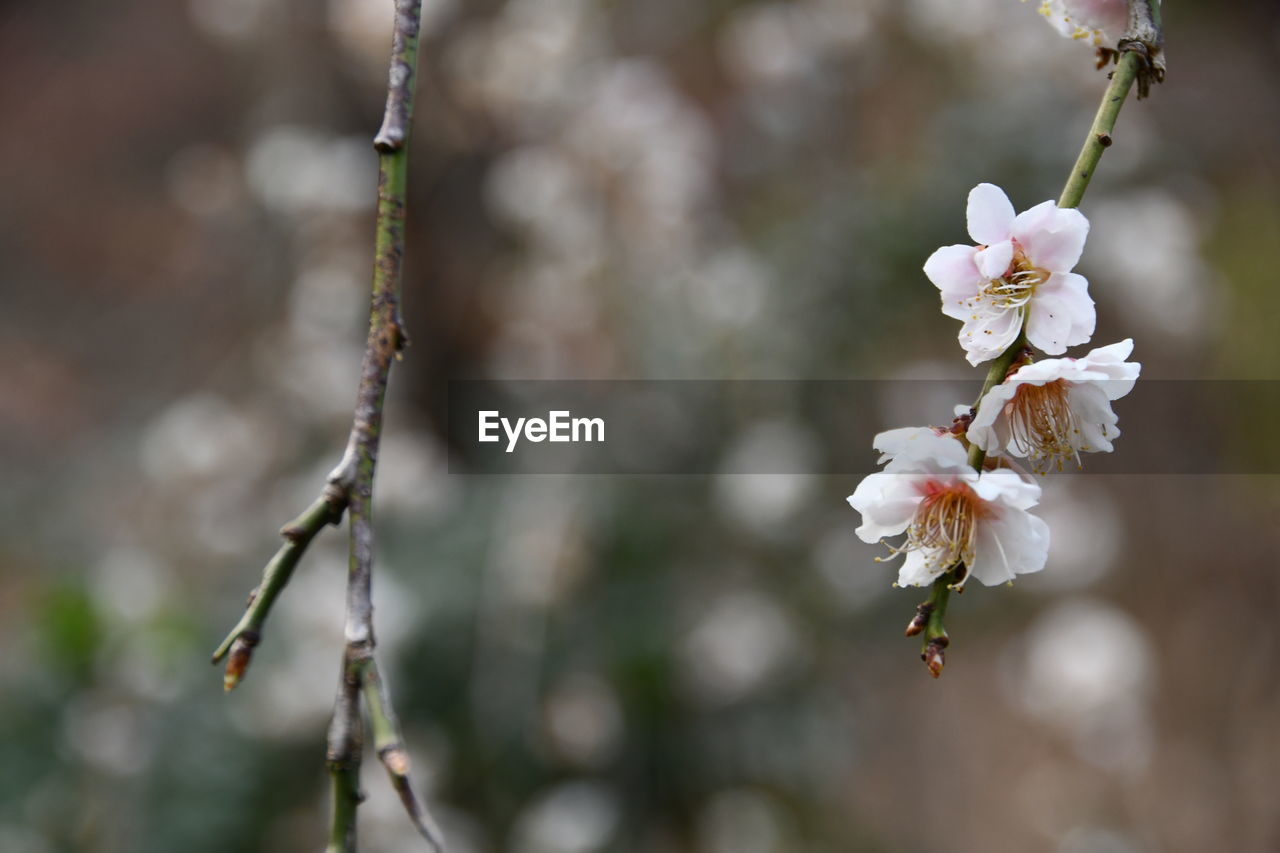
(892, 443)
(1052, 410)
(950, 513)
(1021, 270)
(1101, 22)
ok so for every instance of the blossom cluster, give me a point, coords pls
(1014, 284)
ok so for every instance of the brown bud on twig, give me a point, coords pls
(917, 623)
(238, 659)
(960, 424)
(934, 657)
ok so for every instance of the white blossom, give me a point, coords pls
(1053, 410)
(950, 513)
(1020, 270)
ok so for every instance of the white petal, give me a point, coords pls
(1052, 237)
(953, 272)
(893, 442)
(1106, 365)
(982, 429)
(1005, 487)
(1116, 352)
(987, 333)
(990, 214)
(1097, 420)
(886, 508)
(1015, 543)
(994, 261)
(1062, 314)
(916, 571)
(932, 454)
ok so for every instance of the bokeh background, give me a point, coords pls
(630, 189)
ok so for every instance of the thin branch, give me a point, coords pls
(346, 748)
(386, 339)
(1099, 137)
(391, 751)
(244, 637)
(350, 489)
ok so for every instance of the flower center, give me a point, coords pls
(1016, 287)
(1042, 424)
(945, 526)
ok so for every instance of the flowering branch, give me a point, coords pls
(1139, 60)
(350, 489)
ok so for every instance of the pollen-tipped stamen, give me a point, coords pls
(1042, 424)
(945, 526)
(1016, 287)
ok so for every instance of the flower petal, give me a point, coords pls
(1061, 314)
(990, 214)
(953, 271)
(983, 429)
(895, 442)
(994, 261)
(1015, 543)
(1006, 487)
(916, 570)
(987, 333)
(887, 503)
(1092, 408)
(1052, 237)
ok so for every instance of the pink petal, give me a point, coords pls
(994, 261)
(990, 214)
(953, 272)
(1052, 238)
(1062, 314)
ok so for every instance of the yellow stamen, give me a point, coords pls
(1042, 425)
(945, 526)
(1016, 287)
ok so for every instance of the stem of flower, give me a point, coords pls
(1099, 138)
(935, 632)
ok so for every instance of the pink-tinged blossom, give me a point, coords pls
(1101, 22)
(950, 513)
(1020, 269)
(1056, 409)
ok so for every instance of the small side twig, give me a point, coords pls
(239, 644)
(392, 753)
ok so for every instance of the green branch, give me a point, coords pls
(1099, 138)
(247, 633)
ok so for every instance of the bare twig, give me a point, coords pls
(346, 747)
(247, 633)
(350, 489)
(392, 753)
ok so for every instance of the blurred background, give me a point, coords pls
(654, 189)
